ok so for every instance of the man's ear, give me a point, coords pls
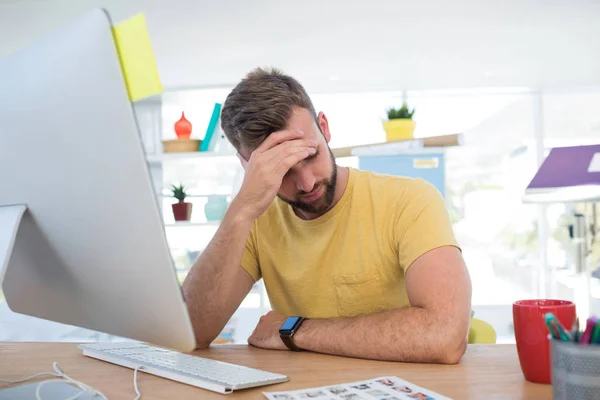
(242, 160)
(244, 156)
(324, 125)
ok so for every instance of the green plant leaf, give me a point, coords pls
(402, 112)
(178, 192)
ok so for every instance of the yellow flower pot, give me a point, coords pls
(399, 129)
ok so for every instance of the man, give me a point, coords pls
(369, 260)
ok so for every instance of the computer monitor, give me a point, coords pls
(90, 248)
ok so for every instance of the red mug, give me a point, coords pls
(532, 333)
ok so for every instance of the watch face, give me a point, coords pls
(289, 325)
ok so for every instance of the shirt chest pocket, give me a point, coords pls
(359, 293)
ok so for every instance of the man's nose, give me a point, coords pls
(305, 181)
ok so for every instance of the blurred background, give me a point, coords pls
(513, 78)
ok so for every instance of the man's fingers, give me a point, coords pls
(301, 152)
(274, 154)
(278, 137)
(293, 157)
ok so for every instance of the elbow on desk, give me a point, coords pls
(203, 342)
(452, 351)
(203, 336)
(202, 345)
(453, 343)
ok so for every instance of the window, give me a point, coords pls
(571, 118)
(485, 179)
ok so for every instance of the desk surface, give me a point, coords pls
(485, 372)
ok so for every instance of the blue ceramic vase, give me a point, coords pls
(215, 207)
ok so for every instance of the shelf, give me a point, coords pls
(188, 224)
(158, 158)
(195, 196)
(399, 146)
(395, 147)
(567, 194)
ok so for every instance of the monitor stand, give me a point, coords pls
(29, 262)
(10, 219)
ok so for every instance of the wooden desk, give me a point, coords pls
(485, 372)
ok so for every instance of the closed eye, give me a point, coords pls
(312, 157)
(307, 159)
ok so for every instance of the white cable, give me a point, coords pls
(84, 388)
(135, 387)
(59, 373)
(77, 395)
(39, 387)
(29, 377)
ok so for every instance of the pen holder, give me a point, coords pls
(575, 370)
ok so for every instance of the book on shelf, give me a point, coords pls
(209, 141)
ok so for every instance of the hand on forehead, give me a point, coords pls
(294, 134)
(300, 121)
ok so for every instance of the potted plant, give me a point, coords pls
(399, 125)
(182, 211)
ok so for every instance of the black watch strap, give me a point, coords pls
(287, 332)
(289, 342)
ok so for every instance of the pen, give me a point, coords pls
(553, 332)
(562, 332)
(596, 334)
(586, 338)
(575, 331)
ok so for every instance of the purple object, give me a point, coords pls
(565, 176)
(567, 166)
(589, 329)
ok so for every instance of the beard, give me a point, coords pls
(324, 202)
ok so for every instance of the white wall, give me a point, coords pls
(348, 45)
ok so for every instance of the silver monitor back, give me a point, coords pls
(90, 249)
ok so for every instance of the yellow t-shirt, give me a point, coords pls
(351, 260)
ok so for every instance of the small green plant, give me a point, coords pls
(402, 112)
(178, 192)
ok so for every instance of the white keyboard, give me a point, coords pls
(204, 373)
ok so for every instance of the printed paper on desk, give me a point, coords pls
(387, 387)
(137, 59)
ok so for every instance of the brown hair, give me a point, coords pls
(262, 103)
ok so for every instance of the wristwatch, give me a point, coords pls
(288, 330)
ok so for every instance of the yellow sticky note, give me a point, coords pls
(137, 58)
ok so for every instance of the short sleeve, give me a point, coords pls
(250, 257)
(422, 223)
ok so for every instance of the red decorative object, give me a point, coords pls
(183, 128)
(182, 211)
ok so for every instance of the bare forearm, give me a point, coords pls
(211, 288)
(411, 334)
